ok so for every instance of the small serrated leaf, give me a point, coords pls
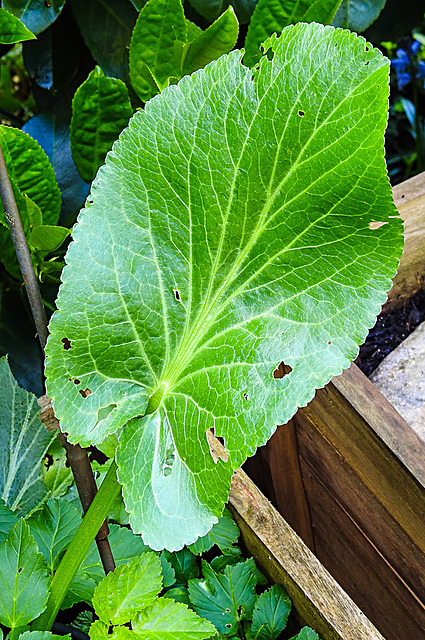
(224, 534)
(53, 527)
(212, 43)
(166, 619)
(42, 635)
(306, 633)
(270, 615)
(29, 167)
(12, 29)
(101, 109)
(225, 598)
(128, 589)
(161, 23)
(184, 564)
(24, 590)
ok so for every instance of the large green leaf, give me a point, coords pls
(157, 43)
(228, 231)
(100, 110)
(32, 172)
(128, 589)
(24, 443)
(168, 620)
(24, 581)
(358, 15)
(12, 30)
(36, 15)
(225, 598)
(271, 16)
(218, 39)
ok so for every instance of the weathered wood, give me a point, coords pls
(409, 198)
(319, 600)
(277, 470)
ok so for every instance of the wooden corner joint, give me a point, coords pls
(47, 414)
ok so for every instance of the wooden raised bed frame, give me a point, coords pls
(348, 475)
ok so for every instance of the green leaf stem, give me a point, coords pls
(235, 215)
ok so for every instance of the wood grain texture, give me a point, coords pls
(409, 197)
(319, 600)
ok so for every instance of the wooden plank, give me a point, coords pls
(379, 591)
(383, 419)
(350, 522)
(409, 198)
(276, 471)
(319, 600)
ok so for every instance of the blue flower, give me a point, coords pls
(405, 64)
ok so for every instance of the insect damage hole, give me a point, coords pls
(66, 343)
(245, 396)
(282, 370)
(85, 392)
(177, 295)
(377, 224)
(301, 113)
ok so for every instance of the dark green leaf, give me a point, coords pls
(168, 620)
(25, 442)
(128, 589)
(32, 172)
(106, 26)
(47, 238)
(271, 16)
(184, 564)
(42, 635)
(51, 130)
(52, 59)
(36, 15)
(157, 43)
(18, 340)
(7, 520)
(179, 594)
(209, 9)
(218, 39)
(168, 575)
(192, 31)
(224, 534)
(245, 242)
(358, 15)
(24, 590)
(225, 598)
(100, 110)
(53, 527)
(271, 611)
(219, 563)
(12, 30)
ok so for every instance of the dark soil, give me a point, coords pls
(389, 331)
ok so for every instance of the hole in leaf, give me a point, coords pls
(377, 224)
(177, 295)
(20, 570)
(76, 381)
(48, 461)
(366, 48)
(366, 63)
(66, 343)
(85, 392)
(301, 113)
(282, 370)
(105, 411)
(245, 396)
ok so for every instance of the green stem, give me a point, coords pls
(79, 548)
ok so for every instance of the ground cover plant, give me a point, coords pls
(242, 219)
